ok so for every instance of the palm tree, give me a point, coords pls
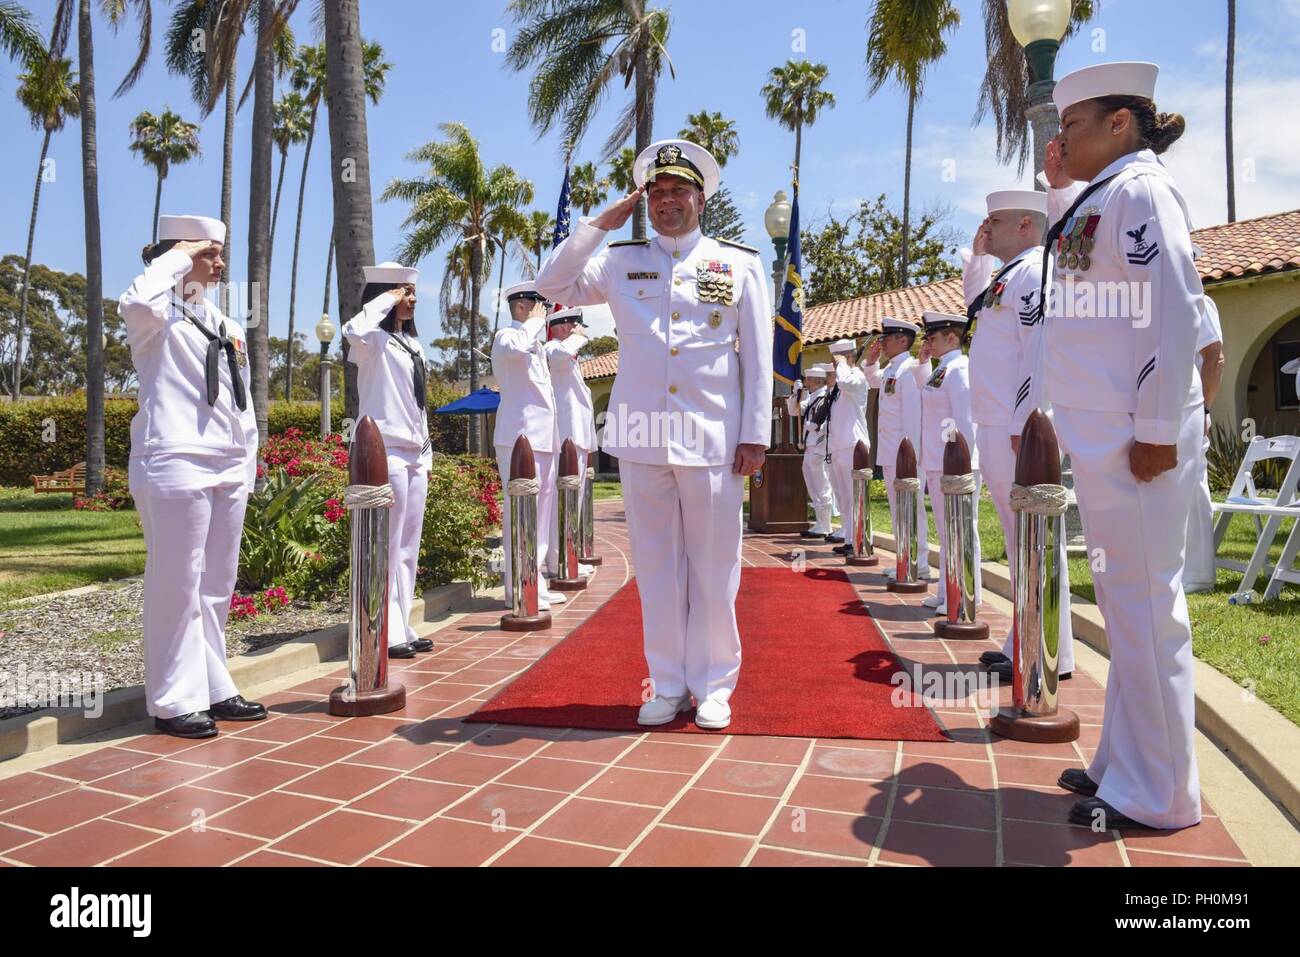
(291, 122)
(715, 134)
(116, 11)
(537, 233)
(585, 188)
(18, 37)
(904, 38)
(457, 198)
(345, 95)
(795, 99)
(1005, 87)
(163, 141)
(1227, 110)
(579, 48)
(48, 92)
(620, 170)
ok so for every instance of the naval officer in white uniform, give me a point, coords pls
(808, 401)
(1121, 379)
(1200, 572)
(527, 407)
(391, 372)
(899, 415)
(847, 427)
(945, 411)
(689, 417)
(192, 464)
(1001, 276)
(575, 416)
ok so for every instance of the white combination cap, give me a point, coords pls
(935, 321)
(678, 158)
(1128, 78)
(561, 316)
(843, 345)
(1029, 199)
(191, 228)
(890, 324)
(390, 272)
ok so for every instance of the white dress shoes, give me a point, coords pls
(932, 601)
(713, 714)
(662, 709)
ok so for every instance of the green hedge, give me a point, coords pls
(49, 435)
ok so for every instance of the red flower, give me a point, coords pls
(334, 510)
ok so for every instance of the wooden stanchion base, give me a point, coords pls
(907, 588)
(567, 584)
(380, 701)
(862, 560)
(1058, 728)
(590, 559)
(961, 630)
(536, 622)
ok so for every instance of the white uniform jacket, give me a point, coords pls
(694, 336)
(848, 420)
(1006, 338)
(524, 378)
(814, 435)
(945, 405)
(1120, 336)
(899, 405)
(575, 417)
(386, 376)
(170, 357)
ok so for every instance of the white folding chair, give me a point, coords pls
(1267, 513)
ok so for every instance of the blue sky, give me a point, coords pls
(445, 68)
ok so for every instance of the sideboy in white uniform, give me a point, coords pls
(810, 395)
(192, 464)
(847, 427)
(690, 412)
(1200, 572)
(575, 416)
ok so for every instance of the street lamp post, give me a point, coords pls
(325, 333)
(777, 221)
(1039, 25)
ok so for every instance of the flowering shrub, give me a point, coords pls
(299, 455)
(460, 512)
(114, 495)
(250, 606)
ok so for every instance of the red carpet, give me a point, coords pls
(815, 665)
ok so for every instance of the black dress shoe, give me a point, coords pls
(807, 534)
(1093, 812)
(196, 724)
(1077, 780)
(833, 538)
(421, 644)
(401, 651)
(993, 658)
(237, 709)
(845, 549)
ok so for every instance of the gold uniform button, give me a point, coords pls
(677, 282)
(672, 389)
(676, 316)
(715, 318)
(673, 350)
(677, 254)
(640, 293)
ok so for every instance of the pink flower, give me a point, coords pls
(334, 510)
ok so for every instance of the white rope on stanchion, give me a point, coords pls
(957, 484)
(864, 474)
(1039, 499)
(591, 474)
(368, 496)
(907, 485)
(569, 483)
(523, 486)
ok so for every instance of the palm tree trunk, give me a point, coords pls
(645, 110)
(329, 269)
(476, 288)
(27, 267)
(350, 164)
(798, 142)
(1227, 119)
(275, 206)
(297, 238)
(907, 187)
(94, 257)
(259, 219)
(227, 178)
(157, 205)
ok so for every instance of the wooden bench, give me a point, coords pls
(69, 480)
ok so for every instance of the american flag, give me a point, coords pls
(562, 212)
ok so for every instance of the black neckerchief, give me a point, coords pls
(972, 311)
(218, 343)
(417, 361)
(830, 401)
(1055, 232)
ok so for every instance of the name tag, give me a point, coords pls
(643, 275)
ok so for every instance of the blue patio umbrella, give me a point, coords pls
(476, 403)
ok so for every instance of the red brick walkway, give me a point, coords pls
(421, 787)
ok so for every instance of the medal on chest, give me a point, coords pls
(936, 379)
(715, 282)
(993, 295)
(241, 352)
(1075, 244)
(890, 385)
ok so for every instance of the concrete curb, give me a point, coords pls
(1262, 740)
(33, 732)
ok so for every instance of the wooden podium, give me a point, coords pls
(778, 497)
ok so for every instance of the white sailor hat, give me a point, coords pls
(191, 228)
(1030, 199)
(843, 345)
(890, 324)
(938, 321)
(523, 290)
(1128, 78)
(390, 272)
(678, 158)
(816, 371)
(565, 315)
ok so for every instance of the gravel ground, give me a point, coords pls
(99, 632)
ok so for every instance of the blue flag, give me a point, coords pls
(787, 342)
(562, 212)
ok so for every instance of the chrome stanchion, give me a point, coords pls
(958, 486)
(522, 488)
(570, 520)
(864, 550)
(907, 545)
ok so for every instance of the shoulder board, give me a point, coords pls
(728, 242)
(629, 242)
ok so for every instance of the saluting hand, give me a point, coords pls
(1147, 461)
(980, 244)
(924, 354)
(873, 352)
(1054, 165)
(613, 217)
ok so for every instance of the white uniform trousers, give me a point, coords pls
(819, 488)
(685, 528)
(932, 480)
(1199, 574)
(998, 469)
(553, 554)
(922, 526)
(840, 471)
(191, 508)
(410, 481)
(1146, 761)
(545, 463)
